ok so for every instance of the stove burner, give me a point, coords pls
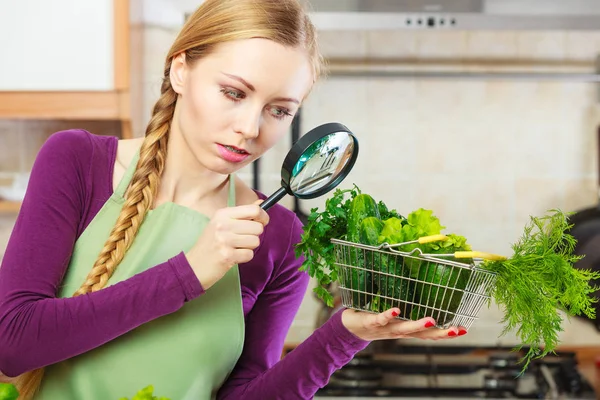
(457, 372)
(501, 383)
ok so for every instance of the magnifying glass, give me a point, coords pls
(316, 163)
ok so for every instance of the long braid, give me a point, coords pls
(140, 194)
(138, 200)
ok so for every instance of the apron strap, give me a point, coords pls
(124, 183)
(231, 199)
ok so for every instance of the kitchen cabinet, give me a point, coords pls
(65, 63)
(59, 45)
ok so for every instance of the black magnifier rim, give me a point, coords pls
(303, 144)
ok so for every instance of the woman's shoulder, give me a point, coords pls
(77, 141)
(77, 154)
(77, 148)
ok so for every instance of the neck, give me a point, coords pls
(185, 180)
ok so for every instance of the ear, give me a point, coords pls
(178, 73)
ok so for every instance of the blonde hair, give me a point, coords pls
(214, 22)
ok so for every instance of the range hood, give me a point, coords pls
(456, 14)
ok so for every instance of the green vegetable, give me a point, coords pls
(384, 213)
(362, 206)
(370, 229)
(444, 290)
(392, 231)
(8, 392)
(146, 394)
(315, 242)
(421, 223)
(447, 283)
(538, 280)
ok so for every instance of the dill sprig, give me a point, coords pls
(538, 281)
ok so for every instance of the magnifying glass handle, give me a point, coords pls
(274, 198)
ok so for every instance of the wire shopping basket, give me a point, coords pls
(377, 278)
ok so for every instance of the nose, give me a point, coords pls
(248, 123)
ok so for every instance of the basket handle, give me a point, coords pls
(479, 254)
(431, 239)
(421, 240)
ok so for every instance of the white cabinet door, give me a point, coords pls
(56, 45)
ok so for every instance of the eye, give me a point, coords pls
(280, 112)
(233, 94)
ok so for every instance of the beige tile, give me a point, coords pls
(439, 94)
(343, 43)
(390, 44)
(582, 45)
(581, 194)
(551, 45)
(579, 145)
(534, 196)
(344, 101)
(385, 97)
(490, 233)
(447, 44)
(491, 44)
(388, 153)
(538, 151)
(471, 95)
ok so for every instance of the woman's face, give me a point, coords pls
(238, 101)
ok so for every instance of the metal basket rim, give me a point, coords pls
(384, 248)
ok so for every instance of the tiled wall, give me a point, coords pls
(483, 154)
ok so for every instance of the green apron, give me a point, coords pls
(184, 355)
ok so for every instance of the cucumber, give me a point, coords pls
(393, 290)
(362, 206)
(370, 229)
(452, 282)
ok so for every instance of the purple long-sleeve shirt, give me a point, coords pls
(70, 181)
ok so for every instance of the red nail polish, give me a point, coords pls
(429, 324)
(462, 332)
(394, 314)
(451, 333)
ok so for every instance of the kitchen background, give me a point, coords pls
(484, 153)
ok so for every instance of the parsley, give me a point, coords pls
(315, 243)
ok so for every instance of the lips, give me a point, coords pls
(235, 149)
(232, 154)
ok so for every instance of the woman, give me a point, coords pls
(146, 261)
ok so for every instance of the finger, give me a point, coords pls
(259, 215)
(438, 334)
(249, 211)
(404, 328)
(241, 256)
(384, 318)
(244, 241)
(245, 227)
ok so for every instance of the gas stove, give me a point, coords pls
(456, 372)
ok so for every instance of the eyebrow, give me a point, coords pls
(253, 89)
